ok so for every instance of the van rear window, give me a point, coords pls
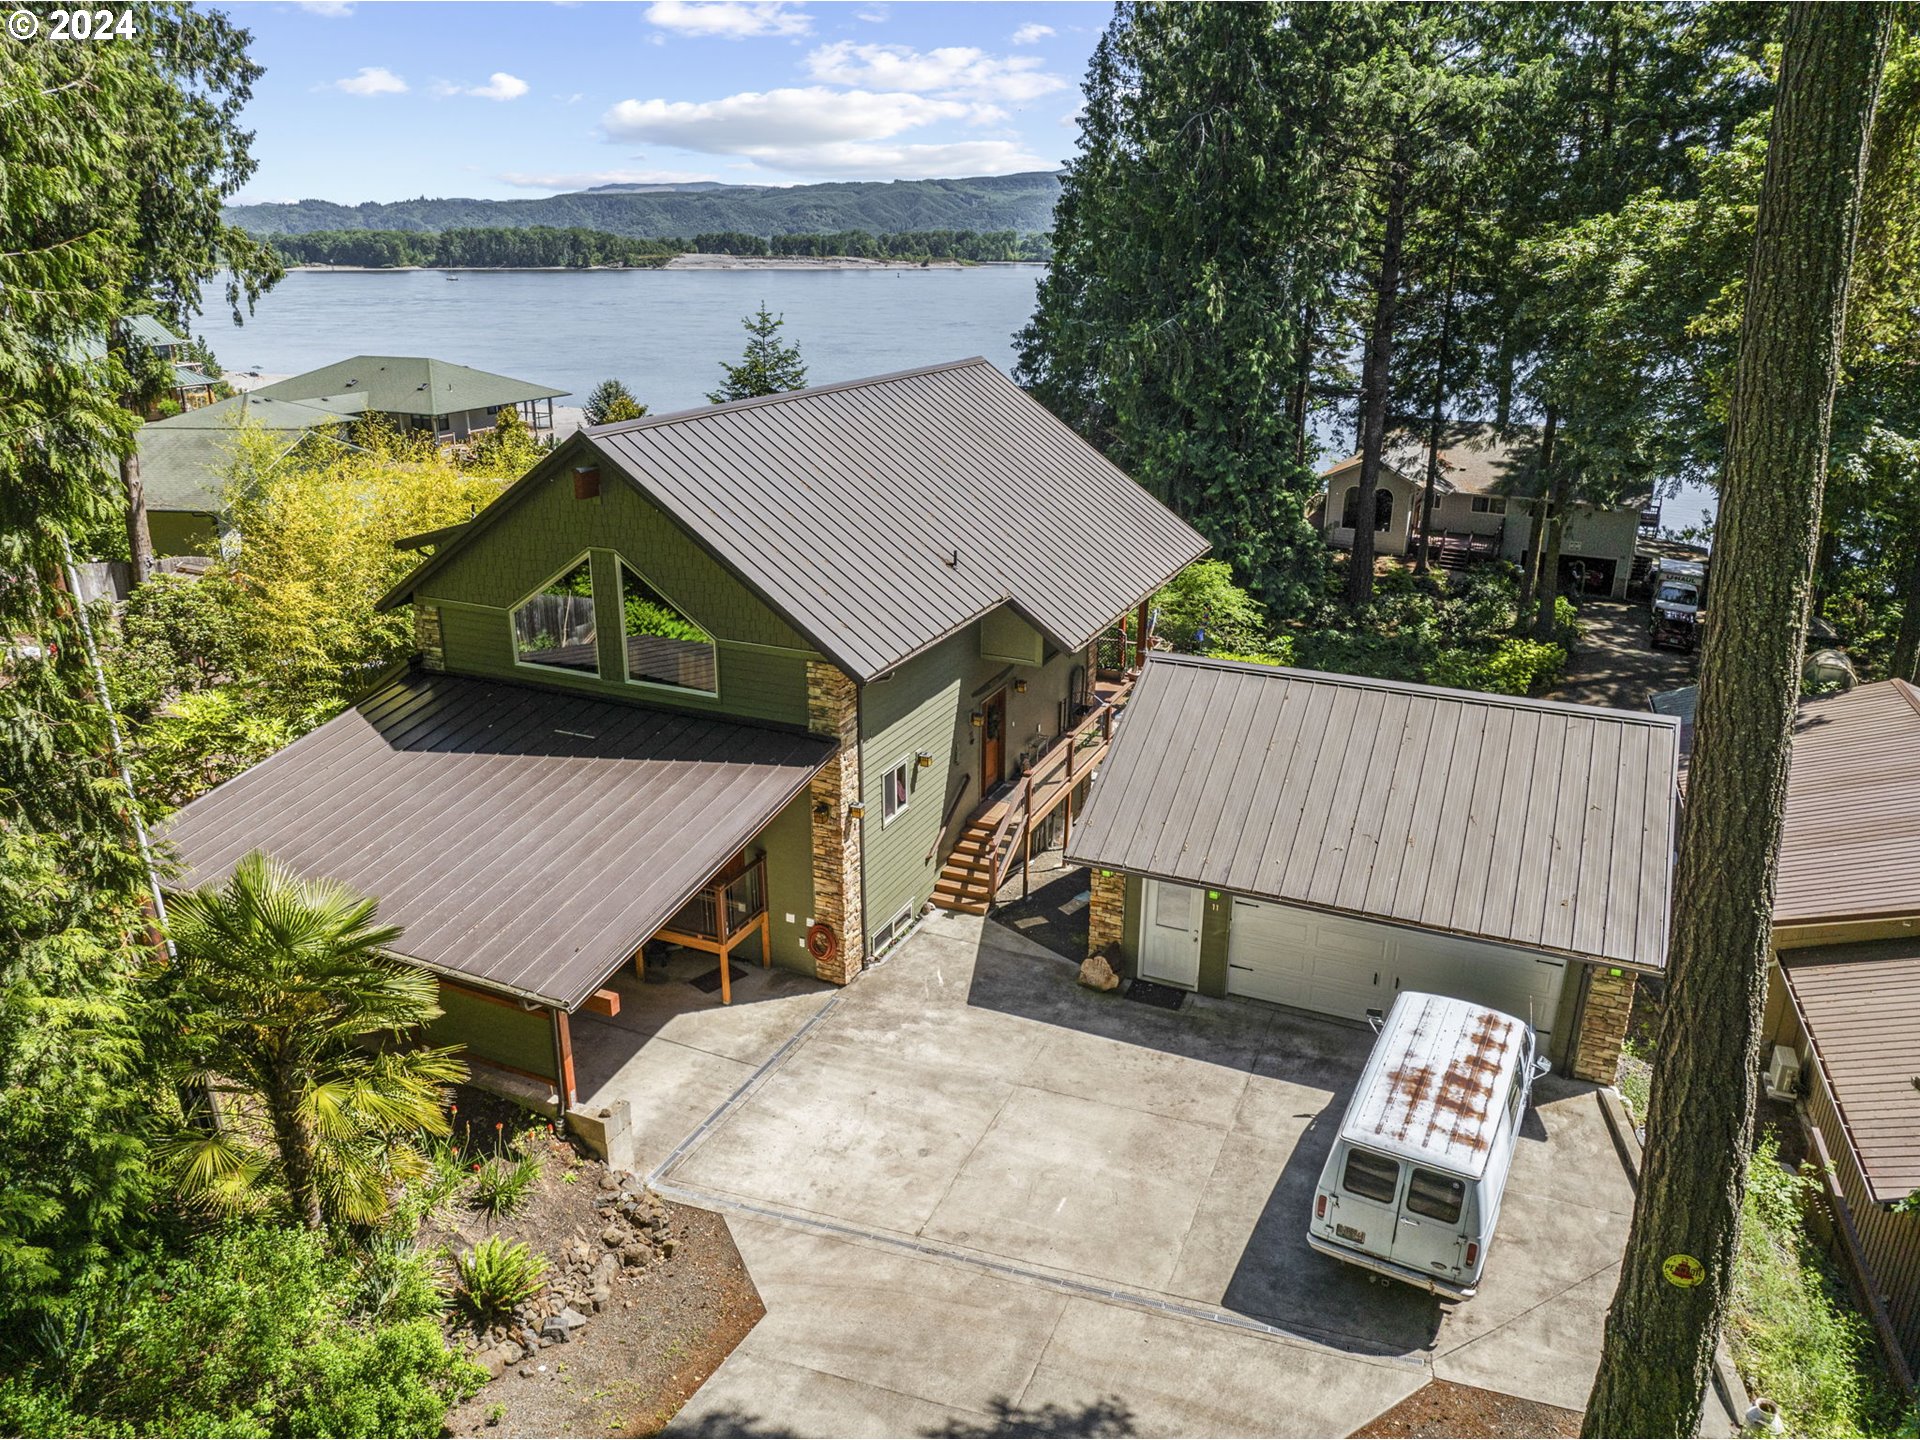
(1371, 1177)
(1435, 1196)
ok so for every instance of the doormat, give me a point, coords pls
(710, 982)
(1148, 993)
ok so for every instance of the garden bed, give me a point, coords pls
(640, 1302)
(1442, 1408)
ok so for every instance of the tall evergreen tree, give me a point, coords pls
(770, 365)
(1666, 1318)
(611, 402)
(1200, 224)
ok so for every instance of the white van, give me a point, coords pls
(1412, 1188)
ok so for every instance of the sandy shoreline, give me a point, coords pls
(690, 262)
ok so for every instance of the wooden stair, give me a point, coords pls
(966, 882)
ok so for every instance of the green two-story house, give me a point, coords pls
(764, 679)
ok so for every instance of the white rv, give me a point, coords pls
(1412, 1188)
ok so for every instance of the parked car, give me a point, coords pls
(1412, 1188)
(1679, 604)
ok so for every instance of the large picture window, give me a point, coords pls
(1382, 508)
(663, 646)
(555, 628)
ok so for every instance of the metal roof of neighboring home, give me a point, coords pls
(181, 458)
(1850, 840)
(527, 840)
(1860, 1005)
(1475, 459)
(149, 331)
(1521, 822)
(409, 385)
(880, 516)
(185, 379)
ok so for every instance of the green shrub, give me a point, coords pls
(206, 737)
(250, 1332)
(1202, 611)
(498, 1274)
(501, 1184)
(1794, 1337)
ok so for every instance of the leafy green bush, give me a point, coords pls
(498, 1274)
(1202, 611)
(1794, 1337)
(206, 737)
(1516, 667)
(500, 1185)
(251, 1332)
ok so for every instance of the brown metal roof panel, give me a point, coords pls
(523, 838)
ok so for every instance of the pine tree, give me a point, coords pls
(611, 402)
(769, 367)
(1660, 1332)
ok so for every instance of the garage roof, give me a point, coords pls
(1860, 1005)
(526, 839)
(1517, 821)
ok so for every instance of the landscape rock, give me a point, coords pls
(600, 1298)
(634, 1255)
(1097, 974)
(613, 1236)
(559, 1328)
(609, 1181)
(605, 1269)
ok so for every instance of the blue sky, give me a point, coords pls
(403, 98)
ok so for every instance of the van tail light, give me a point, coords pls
(1473, 1253)
(1320, 1206)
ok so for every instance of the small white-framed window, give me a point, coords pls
(1489, 504)
(898, 791)
(554, 628)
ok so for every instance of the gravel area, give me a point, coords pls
(1442, 1408)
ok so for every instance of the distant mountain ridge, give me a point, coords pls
(1022, 203)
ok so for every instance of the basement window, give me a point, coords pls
(554, 627)
(664, 647)
(889, 933)
(897, 793)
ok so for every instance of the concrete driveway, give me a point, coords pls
(978, 1198)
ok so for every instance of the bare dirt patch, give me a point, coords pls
(650, 1296)
(1441, 1408)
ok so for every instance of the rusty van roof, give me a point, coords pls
(1432, 1088)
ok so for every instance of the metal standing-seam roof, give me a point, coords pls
(182, 458)
(1522, 822)
(1860, 1005)
(880, 516)
(526, 839)
(1850, 839)
(408, 385)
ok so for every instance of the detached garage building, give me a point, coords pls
(1325, 841)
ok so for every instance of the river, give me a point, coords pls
(663, 332)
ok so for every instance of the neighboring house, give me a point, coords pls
(740, 678)
(183, 460)
(451, 402)
(1478, 510)
(1325, 841)
(191, 386)
(1844, 995)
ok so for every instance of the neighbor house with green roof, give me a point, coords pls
(417, 392)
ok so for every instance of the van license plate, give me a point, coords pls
(1349, 1233)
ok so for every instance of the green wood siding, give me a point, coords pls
(504, 1034)
(182, 532)
(926, 706)
(788, 841)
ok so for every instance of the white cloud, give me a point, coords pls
(372, 80)
(876, 16)
(1031, 34)
(499, 86)
(756, 121)
(587, 179)
(853, 160)
(729, 19)
(951, 70)
(329, 9)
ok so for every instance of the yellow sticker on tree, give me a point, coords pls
(1683, 1270)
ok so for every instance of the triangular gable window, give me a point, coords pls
(663, 646)
(554, 628)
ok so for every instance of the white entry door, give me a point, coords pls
(1170, 935)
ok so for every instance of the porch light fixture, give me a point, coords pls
(923, 760)
(856, 811)
(977, 720)
(1019, 687)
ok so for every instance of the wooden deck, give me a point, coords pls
(999, 833)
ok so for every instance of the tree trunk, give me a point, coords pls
(1906, 645)
(1549, 525)
(295, 1143)
(1436, 403)
(1660, 1334)
(1376, 379)
(139, 537)
(1302, 387)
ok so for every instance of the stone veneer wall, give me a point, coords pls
(833, 712)
(1106, 910)
(427, 637)
(1603, 1025)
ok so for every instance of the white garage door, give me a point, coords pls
(1348, 967)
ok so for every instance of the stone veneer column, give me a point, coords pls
(1603, 1025)
(427, 638)
(833, 712)
(1106, 911)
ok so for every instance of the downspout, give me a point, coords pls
(860, 764)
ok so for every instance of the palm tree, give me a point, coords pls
(282, 990)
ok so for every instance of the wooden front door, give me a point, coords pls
(993, 743)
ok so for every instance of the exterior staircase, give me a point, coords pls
(966, 884)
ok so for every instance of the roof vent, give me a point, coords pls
(586, 482)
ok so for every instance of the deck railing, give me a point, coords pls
(741, 900)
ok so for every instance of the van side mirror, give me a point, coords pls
(1541, 1067)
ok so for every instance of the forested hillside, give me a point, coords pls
(574, 249)
(993, 202)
